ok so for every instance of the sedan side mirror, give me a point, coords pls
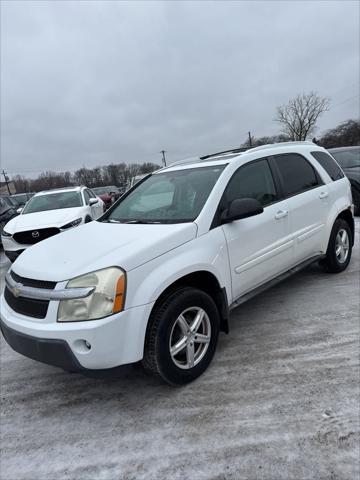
(241, 208)
(93, 201)
(19, 210)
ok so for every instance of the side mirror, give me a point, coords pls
(93, 201)
(19, 210)
(241, 208)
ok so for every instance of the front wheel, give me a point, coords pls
(339, 250)
(182, 336)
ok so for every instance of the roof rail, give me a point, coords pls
(225, 152)
(281, 144)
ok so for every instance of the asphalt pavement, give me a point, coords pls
(280, 401)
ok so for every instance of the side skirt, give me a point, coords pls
(274, 281)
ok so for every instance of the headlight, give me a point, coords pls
(107, 298)
(74, 223)
(6, 234)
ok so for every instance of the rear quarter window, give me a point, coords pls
(297, 174)
(329, 165)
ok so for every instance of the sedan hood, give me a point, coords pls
(353, 173)
(98, 245)
(49, 218)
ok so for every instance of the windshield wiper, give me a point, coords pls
(353, 166)
(142, 222)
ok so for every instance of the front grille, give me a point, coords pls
(34, 236)
(28, 282)
(28, 306)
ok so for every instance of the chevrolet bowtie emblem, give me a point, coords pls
(16, 289)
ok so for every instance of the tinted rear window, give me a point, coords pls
(296, 172)
(328, 164)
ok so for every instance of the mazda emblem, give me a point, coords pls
(35, 234)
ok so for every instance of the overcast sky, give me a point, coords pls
(90, 83)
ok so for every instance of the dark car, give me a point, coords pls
(7, 211)
(108, 194)
(349, 160)
(21, 198)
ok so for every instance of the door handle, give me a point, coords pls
(323, 195)
(281, 214)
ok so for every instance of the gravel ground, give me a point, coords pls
(280, 401)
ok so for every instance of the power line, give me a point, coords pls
(347, 100)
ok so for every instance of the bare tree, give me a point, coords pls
(299, 116)
(343, 135)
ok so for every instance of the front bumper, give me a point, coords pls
(51, 351)
(13, 254)
(114, 341)
(12, 248)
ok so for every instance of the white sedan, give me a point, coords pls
(48, 213)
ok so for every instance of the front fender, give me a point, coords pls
(205, 253)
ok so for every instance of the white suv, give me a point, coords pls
(154, 279)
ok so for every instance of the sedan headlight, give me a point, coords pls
(74, 223)
(107, 298)
(6, 234)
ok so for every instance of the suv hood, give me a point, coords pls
(99, 245)
(49, 218)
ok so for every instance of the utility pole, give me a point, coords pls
(163, 156)
(250, 142)
(6, 181)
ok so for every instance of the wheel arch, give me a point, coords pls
(349, 219)
(207, 282)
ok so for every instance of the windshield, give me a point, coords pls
(53, 201)
(168, 197)
(19, 199)
(347, 158)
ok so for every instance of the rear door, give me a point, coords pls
(259, 247)
(308, 201)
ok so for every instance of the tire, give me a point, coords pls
(196, 345)
(356, 200)
(333, 262)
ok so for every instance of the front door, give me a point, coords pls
(259, 247)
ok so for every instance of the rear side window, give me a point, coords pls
(252, 181)
(328, 164)
(298, 175)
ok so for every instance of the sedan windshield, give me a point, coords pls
(53, 201)
(168, 197)
(19, 199)
(347, 158)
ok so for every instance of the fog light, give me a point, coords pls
(82, 346)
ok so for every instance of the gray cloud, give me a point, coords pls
(90, 83)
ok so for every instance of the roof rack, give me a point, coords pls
(281, 144)
(225, 153)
